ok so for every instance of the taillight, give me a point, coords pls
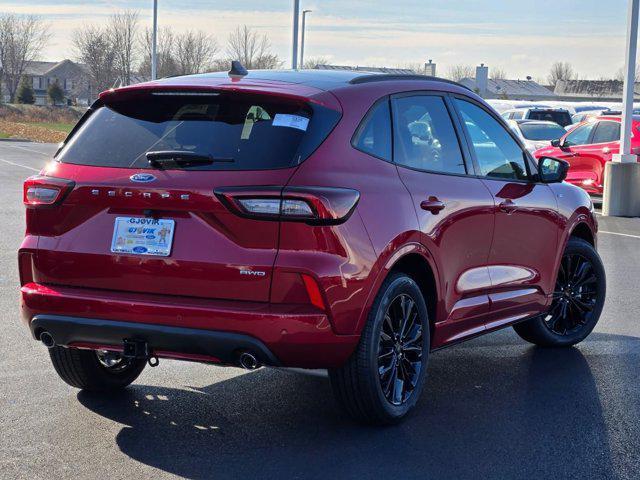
(313, 205)
(45, 191)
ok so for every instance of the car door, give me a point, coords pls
(589, 165)
(524, 247)
(574, 146)
(454, 209)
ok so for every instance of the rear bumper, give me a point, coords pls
(180, 327)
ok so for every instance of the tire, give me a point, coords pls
(83, 369)
(583, 299)
(358, 386)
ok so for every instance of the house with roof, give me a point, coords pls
(486, 87)
(602, 90)
(72, 77)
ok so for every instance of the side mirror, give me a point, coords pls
(552, 170)
(556, 143)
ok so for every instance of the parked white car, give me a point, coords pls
(560, 116)
(536, 134)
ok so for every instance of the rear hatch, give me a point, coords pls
(142, 215)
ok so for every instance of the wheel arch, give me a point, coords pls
(415, 261)
(583, 230)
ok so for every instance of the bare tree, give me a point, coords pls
(167, 64)
(560, 71)
(497, 73)
(93, 48)
(123, 32)
(194, 52)
(458, 72)
(620, 74)
(313, 62)
(21, 41)
(252, 49)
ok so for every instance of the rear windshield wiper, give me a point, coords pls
(180, 158)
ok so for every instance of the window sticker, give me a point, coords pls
(291, 121)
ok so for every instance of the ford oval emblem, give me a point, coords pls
(142, 178)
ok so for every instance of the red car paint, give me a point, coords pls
(588, 159)
(485, 251)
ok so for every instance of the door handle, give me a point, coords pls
(508, 206)
(432, 204)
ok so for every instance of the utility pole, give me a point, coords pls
(304, 23)
(622, 175)
(294, 53)
(154, 42)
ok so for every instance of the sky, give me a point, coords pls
(522, 37)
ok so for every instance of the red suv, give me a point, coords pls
(588, 147)
(314, 219)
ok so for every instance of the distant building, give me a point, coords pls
(602, 90)
(394, 71)
(506, 89)
(72, 77)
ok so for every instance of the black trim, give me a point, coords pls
(225, 346)
(355, 138)
(376, 77)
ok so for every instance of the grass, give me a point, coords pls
(58, 126)
(3, 135)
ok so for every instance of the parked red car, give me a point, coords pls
(588, 147)
(314, 219)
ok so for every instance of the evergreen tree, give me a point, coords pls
(25, 92)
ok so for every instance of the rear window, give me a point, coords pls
(541, 131)
(561, 118)
(237, 132)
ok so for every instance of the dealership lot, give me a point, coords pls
(494, 407)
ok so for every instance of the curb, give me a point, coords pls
(15, 140)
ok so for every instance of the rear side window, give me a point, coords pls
(374, 135)
(561, 118)
(498, 154)
(237, 132)
(424, 135)
(606, 132)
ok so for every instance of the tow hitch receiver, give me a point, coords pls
(136, 349)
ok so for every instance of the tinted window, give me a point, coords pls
(374, 135)
(517, 115)
(541, 131)
(579, 136)
(498, 154)
(424, 135)
(606, 132)
(239, 132)
(561, 118)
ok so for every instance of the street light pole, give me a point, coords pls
(621, 196)
(154, 44)
(296, 15)
(304, 23)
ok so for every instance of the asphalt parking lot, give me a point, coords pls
(495, 407)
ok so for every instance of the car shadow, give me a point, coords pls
(500, 410)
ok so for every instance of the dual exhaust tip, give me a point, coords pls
(246, 359)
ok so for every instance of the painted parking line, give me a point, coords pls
(19, 165)
(620, 234)
(21, 147)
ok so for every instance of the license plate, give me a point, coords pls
(142, 236)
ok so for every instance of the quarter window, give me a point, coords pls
(606, 132)
(580, 136)
(424, 135)
(498, 154)
(374, 135)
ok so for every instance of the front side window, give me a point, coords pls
(606, 132)
(374, 135)
(579, 136)
(424, 135)
(497, 153)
